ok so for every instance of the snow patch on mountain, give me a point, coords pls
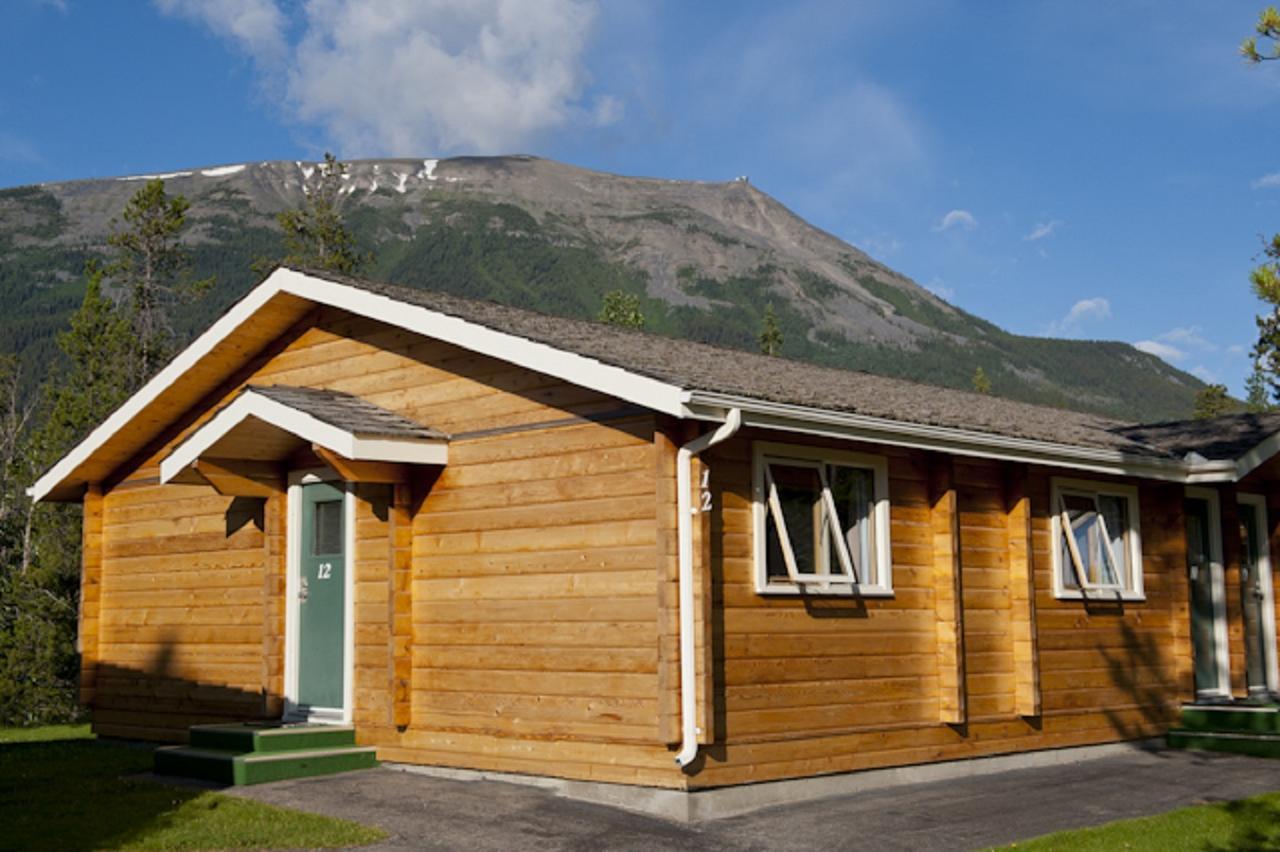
(223, 171)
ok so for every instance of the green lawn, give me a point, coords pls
(1248, 824)
(62, 789)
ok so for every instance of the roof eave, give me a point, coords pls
(845, 425)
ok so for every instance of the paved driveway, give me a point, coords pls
(422, 812)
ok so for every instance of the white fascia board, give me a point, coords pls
(834, 424)
(239, 314)
(1251, 460)
(415, 451)
(574, 368)
(540, 357)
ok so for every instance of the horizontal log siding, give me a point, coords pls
(530, 590)
(819, 685)
(181, 630)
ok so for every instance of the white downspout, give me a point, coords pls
(684, 545)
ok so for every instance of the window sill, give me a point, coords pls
(1100, 597)
(831, 591)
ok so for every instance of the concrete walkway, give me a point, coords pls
(422, 812)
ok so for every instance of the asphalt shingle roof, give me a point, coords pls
(703, 367)
(347, 412)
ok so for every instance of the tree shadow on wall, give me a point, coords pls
(1141, 668)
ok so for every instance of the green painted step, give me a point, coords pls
(1257, 745)
(1231, 719)
(271, 737)
(228, 767)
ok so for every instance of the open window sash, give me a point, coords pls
(1080, 569)
(831, 523)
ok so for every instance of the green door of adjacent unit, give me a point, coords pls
(1253, 597)
(1204, 641)
(322, 585)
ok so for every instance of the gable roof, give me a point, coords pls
(349, 426)
(675, 377)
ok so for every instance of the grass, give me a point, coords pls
(62, 789)
(1252, 824)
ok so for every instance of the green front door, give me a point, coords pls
(1204, 641)
(322, 585)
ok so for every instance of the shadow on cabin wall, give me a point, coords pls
(156, 701)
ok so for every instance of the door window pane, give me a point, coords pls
(327, 530)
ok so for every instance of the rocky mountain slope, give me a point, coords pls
(706, 258)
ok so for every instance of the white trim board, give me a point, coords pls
(1257, 503)
(656, 395)
(1218, 588)
(251, 404)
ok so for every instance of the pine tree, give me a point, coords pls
(39, 578)
(770, 334)
(1213, 401)
(1257, 394)
(621, 308)
(315, 235)
(152, 268)
(981, 383)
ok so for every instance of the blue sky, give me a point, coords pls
(1085, 170)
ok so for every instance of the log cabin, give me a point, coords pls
(487, 538)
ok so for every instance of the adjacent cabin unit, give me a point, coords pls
(494, 539)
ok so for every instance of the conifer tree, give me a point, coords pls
(152, 268)
(770, 333)
(39, 574)
(621, 308)
(1213, 401)
(315, 235)
(981, 383)
(1257, 393)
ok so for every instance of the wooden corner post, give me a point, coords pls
(1022, 592)
(944, 521)
(90, 593)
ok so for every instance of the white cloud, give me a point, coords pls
(1165, 351)
(1083, 311)
(1268, 181)
(1042, 230)
(1176, 344)
(412, 77)
(1203, 373)
(880, 246)
(1189, 336)
(956, 219)
(940, 289)
(257, 26)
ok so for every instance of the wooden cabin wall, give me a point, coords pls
(184, 610)
(822, 684)
(516, 611)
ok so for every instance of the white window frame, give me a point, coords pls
(1131, 587)
(843, 581)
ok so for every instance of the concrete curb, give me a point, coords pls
(723, 802)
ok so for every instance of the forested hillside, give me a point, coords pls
(704, 259)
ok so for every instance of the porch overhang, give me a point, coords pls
(242, 448)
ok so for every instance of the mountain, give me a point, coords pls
(706, 259)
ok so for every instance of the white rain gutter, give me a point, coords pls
(684, 545)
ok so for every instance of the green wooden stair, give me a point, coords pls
(1235, 728)
(257, 753)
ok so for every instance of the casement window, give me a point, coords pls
(821, 522)
(1097, 548)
